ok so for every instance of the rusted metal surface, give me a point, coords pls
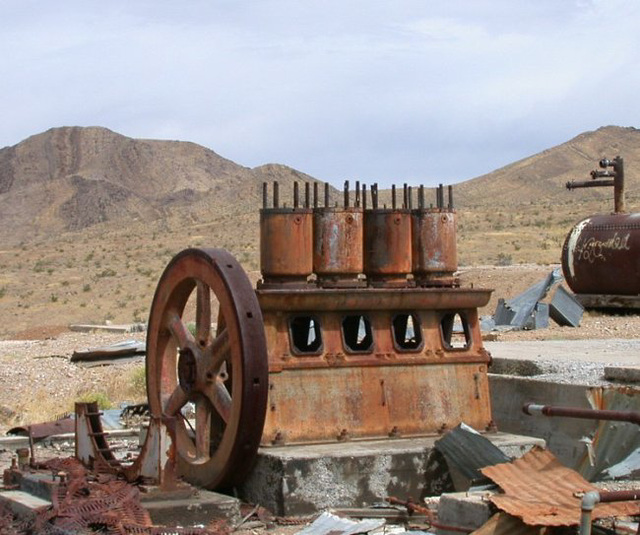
(542, 492)
(600, 255)
(223, 373)
(84, 503)
(375, 402)
(613, 447)
(286, 245)
(374, 299)
(387, 246)
(587, 414)
(91, 446)
(286, 239)
(338, 245)
(613, 178)
(45, 429)
(435, 257)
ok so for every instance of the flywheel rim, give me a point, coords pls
(226, 371)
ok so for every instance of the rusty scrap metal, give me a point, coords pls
(587, 414)
(542, 492)
(614, 178)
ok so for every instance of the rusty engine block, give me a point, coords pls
(368, 332)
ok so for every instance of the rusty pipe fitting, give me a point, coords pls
(533, 409)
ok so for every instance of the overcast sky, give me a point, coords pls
(391, 91)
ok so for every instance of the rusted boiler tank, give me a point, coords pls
(600, 256)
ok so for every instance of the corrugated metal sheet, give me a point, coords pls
(613, 441)
(504, 524)
(467, 451)
(542, 492)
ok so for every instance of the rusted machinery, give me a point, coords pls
(357, 330)
(600, 259)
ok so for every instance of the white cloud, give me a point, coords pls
(409, 90)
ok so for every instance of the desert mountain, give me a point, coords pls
(541, 177)
(71, 178)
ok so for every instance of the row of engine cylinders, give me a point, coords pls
(353, 245)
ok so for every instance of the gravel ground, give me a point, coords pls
(37, 375)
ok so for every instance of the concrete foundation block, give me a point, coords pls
(463, 511)
(22, 504)
(301, 480)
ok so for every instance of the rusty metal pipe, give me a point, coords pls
(421, 198)
(393, 196)
(586, 414)
(296, 195)
(276, 195)
(307, 195)
(589, 184)
(315, 194)
(357, 203)
(327, 200)
(265, 195)
(592, 498)
(364, 196)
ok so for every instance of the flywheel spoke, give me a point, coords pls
(216, 354)
(203, 428)
(176, 401)
(180, 332)
(220, 398)
(203, 313)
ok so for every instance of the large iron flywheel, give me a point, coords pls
(212, 380)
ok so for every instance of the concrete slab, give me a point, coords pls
(624, 374)
(22, 503)
(198, 509)
(608, 351)
(300, 480)
(463, 512)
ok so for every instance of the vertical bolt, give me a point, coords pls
(410, 198)
(393, 196)
(357, 204)
(315, 194)
(346, 194)
(276, 195)
(450, 197)
(421, 197)
(264, 195)
(364, 196)
(326, 195)
(406, 197)
(296, 195)
(307, 195)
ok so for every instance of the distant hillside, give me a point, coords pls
(89, 218)
(71, 178)
(541, 177)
